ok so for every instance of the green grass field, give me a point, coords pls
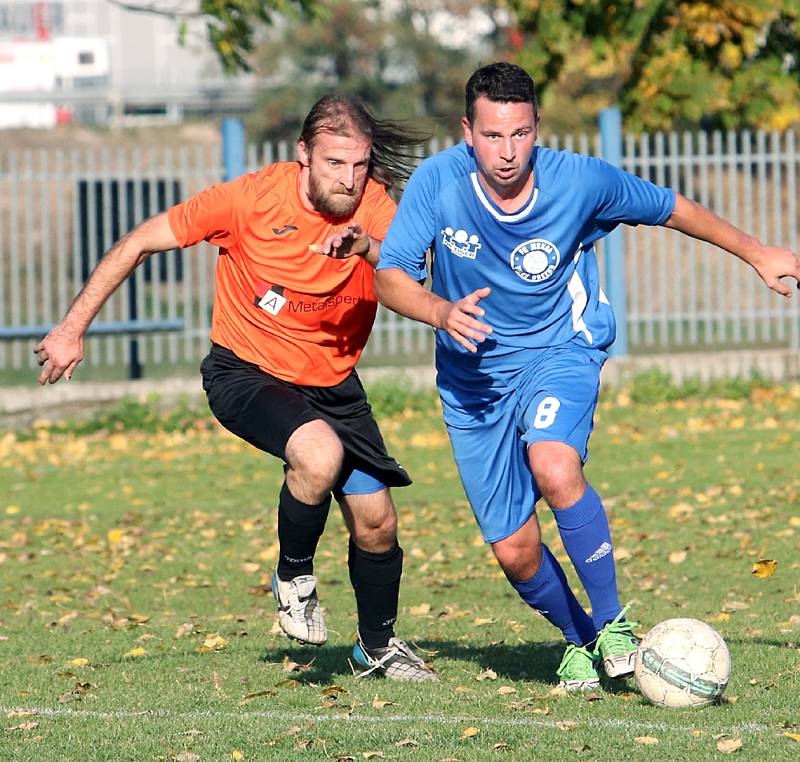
(136, 621)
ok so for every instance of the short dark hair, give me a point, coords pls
(502, 83)
(392, 158)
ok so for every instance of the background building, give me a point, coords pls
(92, 61)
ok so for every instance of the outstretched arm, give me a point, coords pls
(350, 242)
(771, 262)
(398, 291)
(62, 349)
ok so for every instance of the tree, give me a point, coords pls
(408, 59)
(668, 63)
(230, 25)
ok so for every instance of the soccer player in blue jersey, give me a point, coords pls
(523, 329)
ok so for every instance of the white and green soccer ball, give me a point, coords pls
(682, 662)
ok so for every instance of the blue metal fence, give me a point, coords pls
(60, 209)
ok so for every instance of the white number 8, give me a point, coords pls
(546, 413)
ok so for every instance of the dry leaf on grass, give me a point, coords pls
(470, 732)
(766, 567)
(646, 740)
(380, 703)
(487, 674)
(677, 557)
(505, 690)
(406, 742)
(729, 745)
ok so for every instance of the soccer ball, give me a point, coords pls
(682, 662)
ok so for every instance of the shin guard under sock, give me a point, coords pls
(586, 536)
(376, 581)
(550, 594)
(300, 526)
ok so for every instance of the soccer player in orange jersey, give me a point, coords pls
(294, 304)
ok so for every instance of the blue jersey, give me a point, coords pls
(539, 261)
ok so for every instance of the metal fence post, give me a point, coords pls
(610, 122)
(233, 148)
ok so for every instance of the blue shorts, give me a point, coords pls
(355, 482)
(552, 398)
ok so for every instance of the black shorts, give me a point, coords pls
(265, 411)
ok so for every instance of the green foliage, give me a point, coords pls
(147, 416)
(669, 63)
(232, 26)
(391, 398)
(392, 58)
(656, 386)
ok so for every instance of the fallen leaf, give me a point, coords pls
(793, 736)
(236, 754)
(470, 732)
(766, 567)
(411, 742)
(257, 694)
(372, 754)
(566, 725)
(135, 653)
(486, 674)
(505, 690)
(333, 690)
(421, 610)
(502, 746)
(380, 703)
(212, 643)
(79, 662)
(677, 557)
(729, 745)
(292, 666)
(115, 536)
(480, 621)
(290, 683)
(646, 740)
(184, 629)
(24, 726)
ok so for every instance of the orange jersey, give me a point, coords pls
(300, 316)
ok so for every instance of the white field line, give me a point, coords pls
(750, 728)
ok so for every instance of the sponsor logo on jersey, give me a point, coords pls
(601, 552)
(461, 243)
(536, 260)
(274, 301)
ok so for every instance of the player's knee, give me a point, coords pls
(314, 454)
(376, 530)
(560, 480)
(518, 560)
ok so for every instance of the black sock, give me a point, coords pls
(300, 526)
(376, 582)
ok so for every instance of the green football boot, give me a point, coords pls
(617, 645)
(578, 669)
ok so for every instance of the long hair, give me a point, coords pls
(393, 155)
(501, 83)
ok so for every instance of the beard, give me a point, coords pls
(335, 203)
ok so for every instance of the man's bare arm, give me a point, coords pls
(62, 349)
(770, 262)
(398, 291)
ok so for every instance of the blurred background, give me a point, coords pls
(111, 111)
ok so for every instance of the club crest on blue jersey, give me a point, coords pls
(461, 243)
(535, 260)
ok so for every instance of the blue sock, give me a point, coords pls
(550, 594)
(587, 539)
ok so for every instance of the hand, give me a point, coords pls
(456, 320)
(773, 263)
(59, 353)
(350, 242)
